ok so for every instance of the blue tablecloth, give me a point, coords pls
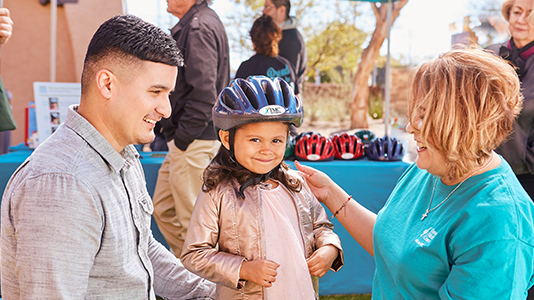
(368, 182)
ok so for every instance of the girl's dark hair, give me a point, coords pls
(222, 168)
(265, 35)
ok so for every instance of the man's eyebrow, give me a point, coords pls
(161, 87)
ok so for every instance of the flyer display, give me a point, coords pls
(52, 100)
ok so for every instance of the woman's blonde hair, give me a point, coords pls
(468, 100)
(507, 7)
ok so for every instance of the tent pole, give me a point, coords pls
(53, 37)
(388, 68)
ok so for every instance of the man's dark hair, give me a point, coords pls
(286, 3)
(129, 38)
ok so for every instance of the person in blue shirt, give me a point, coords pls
(458, 224)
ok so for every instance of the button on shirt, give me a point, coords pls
(76, 225)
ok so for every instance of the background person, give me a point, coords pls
(75, 220)
(189, 132)
(256, 224)
(519, 149)
(6, 25)
(265, 35)
(5, 136)
(458, 225)
(6, 30)
(292, 46)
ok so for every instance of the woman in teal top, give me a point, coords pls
(458, 224)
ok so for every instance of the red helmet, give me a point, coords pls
(348, 146)
(314, 147)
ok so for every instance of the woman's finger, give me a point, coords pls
(305, 169)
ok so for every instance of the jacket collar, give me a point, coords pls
(186, 19)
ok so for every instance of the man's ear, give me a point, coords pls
(225, 139)
(104, 78)
(283, 11)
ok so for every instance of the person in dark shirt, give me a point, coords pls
(292, 46)
(265, 35)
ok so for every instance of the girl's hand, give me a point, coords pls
(261, 271)
(318, 181)
(320, 261)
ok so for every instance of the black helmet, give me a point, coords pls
(256, 99)
(365, 135)
(385, 149)
(289, 154)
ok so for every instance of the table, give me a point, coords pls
(367, 181)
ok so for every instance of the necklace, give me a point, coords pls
(434, 188)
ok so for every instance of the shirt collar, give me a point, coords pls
(86, 131)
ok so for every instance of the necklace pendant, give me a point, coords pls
(424, 216)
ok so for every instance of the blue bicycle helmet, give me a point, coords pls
(385, 149)
(256, 99)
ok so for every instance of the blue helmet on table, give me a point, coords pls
(385, 149)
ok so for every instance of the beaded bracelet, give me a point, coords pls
(342, 206)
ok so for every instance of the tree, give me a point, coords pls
(360, 88)
(335, 50)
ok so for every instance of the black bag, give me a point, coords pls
(6, 118)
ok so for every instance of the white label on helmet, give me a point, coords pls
(313, 157)
(347, 155)
(272, 110)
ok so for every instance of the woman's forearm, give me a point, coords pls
(357, 220)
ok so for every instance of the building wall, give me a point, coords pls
(25, 58)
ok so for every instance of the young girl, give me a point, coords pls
(257, 230)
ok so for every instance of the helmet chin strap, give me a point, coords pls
(254, 179)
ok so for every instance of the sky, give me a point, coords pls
(421, 31)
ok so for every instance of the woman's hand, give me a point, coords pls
(6, 25)
(319, 183)
(261, 271)
(320, 261)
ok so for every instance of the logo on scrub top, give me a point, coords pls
(272, 110)
(426, 237)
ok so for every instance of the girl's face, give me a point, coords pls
(259, 147)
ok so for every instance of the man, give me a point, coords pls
(6, 25)
(7, 122)
(292, 46)
(191, 138)
(76, 214)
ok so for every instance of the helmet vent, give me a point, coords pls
(269, 92)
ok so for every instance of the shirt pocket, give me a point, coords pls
(147, 208)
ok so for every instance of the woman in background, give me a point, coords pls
(519, 149)
(265, 35)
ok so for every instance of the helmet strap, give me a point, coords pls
(231, 135)
(253, 180)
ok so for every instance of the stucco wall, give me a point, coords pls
(25, 58)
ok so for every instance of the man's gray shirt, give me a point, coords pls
(75, 224)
